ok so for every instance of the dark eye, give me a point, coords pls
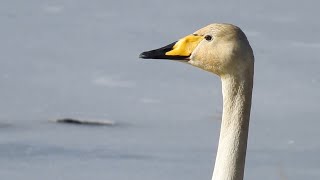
(208, 37)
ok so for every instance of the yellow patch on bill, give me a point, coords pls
(185, 46)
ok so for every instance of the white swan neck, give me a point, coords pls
(231, 154)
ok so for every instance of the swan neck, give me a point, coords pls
(231, 154)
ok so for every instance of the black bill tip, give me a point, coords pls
(145, 55)
(158, 53)
(161, 53)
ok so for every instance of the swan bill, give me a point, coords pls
(179, 50)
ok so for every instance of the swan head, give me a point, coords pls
(222, 49)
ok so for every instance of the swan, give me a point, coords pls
(222, 49)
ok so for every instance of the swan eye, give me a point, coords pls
(208, 37)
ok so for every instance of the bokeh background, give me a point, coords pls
(79, 58)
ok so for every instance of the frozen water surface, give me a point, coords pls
(68, 58)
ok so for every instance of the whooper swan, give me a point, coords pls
(224, 50)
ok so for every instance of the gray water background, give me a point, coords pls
(77, 58)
